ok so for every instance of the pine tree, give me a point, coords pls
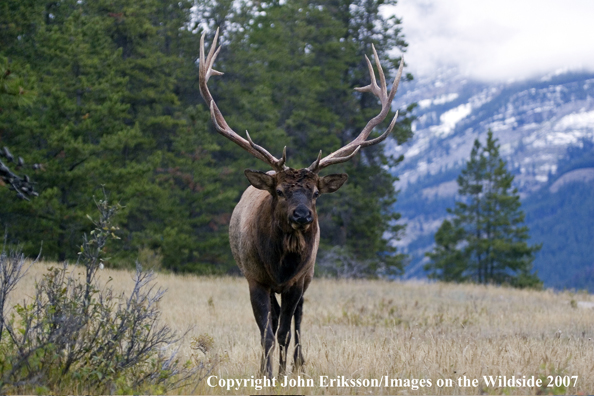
(448, 262)
(15, 91)
(181, 210)
(77, 128)
(486, 241)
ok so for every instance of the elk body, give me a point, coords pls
(274, 232)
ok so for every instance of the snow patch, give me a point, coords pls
(424, 103)
(450, 118)
(556, 73)
(576, 121)
(446, 189)
(445, 98)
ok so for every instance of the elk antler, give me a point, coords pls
(347, 152)
(205, 72)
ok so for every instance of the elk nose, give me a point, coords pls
(302, 215)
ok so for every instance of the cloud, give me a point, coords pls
(498, 40)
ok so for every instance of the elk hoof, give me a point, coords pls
(298, 362)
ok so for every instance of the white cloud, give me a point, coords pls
(498, 40)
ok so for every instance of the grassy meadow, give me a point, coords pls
(372, 329)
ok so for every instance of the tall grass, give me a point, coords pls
(371, 329)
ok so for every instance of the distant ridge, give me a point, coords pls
(584, 175)
(544, 127)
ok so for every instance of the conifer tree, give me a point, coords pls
(448, 262)
(15, 91)
(180, 211)
(485, 241)
(118, 105)
(77, 128)
(109, 77)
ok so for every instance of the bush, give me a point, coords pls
(78, 337)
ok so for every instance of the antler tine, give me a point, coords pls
(396, 80)
(205, 66)
(381, 92)
(284, 158)
(277, 164)
(372, 87)
(338, 160)
(213, 48)
(314, 166)
(205, 71)
(383, 136)
(383, 87)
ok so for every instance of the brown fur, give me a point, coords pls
(274, 231)
(260, 233)
(276, 250)
(294, 242)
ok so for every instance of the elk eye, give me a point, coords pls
(279, 193)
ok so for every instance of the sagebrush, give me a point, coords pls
(78, 335)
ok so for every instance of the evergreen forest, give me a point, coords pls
(104, 95)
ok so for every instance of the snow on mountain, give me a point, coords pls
(535, 121)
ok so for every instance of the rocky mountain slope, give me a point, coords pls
(544, 127)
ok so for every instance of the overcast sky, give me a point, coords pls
(498, 40)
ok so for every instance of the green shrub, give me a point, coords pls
(76, 336)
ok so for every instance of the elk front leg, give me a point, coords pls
(260, 297)
(298, 360)
(289, 303)
(275, 312)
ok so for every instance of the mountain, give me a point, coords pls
(545, 127)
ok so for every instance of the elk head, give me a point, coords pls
(294, 194)
(295, 191)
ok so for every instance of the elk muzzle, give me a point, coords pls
(301, 217)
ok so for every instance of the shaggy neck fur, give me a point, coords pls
(294, 242)
(285, 251)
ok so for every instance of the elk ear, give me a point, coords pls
(260, 180)
(331, 183)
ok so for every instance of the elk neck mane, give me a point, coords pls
(294, 242)
(287, 252)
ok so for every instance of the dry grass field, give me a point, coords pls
(408, 332)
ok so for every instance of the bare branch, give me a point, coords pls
(23, 186)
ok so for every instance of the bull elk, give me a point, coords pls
(274, 232)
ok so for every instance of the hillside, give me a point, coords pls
(371, 329)
(545, 128)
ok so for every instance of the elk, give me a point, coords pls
(274, 232)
